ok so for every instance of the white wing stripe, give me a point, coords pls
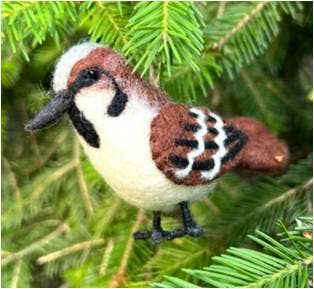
(199, 136)
(221, 152)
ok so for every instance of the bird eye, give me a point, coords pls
(86, 77)
(91, 74)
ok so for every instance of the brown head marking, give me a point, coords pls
(129, 82)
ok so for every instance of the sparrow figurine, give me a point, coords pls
(156, 154)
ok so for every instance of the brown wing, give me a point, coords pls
(192, 146)
(263, 151)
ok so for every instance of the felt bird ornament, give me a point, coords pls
(156, 154)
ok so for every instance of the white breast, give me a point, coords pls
(124, 157)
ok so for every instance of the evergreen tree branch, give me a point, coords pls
(5, 253)
(221, 9)
(265, 207)
(281, 274)
(288, 194)
(283, 264)
(47, 156)
(283, 198)
(119, 277)
(154, 79)
(106, 21)
(16, 274)
(32, 22)
(256, 94)
(69, 250)
(80, 177)
(116, 27)
(15, 188)
(110, 213)
(36, 245)
(63, 170)
(167, 31)
(106, 257)
(106, 219)
(186, 85)
(35, 149)
(128, 249)
(33, 139)
(56, 185)
(242, 22)
(244, 31)
(185, 252)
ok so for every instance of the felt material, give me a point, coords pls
(67, 61)
(112, 62)
(246, 143)
(263, 151)
(174, 135)
(89, 76)
(84, 127)
(117, 104)
(124, 158)
(154, 153)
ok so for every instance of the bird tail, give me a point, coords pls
(263, 151)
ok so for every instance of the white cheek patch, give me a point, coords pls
(67, 61)
(94, 103)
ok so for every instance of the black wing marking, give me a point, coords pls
(234, 135)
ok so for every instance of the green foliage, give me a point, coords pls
(27, 24)
(106, 21)
(63, 226)
(283, 264)
(278, 198)
(170, 31)
(242, 32)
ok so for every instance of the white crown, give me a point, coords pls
(66, 62)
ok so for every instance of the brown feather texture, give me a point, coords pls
(248, 144)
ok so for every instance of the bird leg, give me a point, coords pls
(189, 226)
(157, 232)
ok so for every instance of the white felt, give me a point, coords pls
(221, 152)
(199, 136)
(66, 62)
(124, 158)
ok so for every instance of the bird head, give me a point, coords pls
(93, 78)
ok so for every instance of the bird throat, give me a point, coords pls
(84, 127)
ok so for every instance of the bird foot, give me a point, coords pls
(193, 231)
(175, 234)
(156, 235)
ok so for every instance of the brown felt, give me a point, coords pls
(263, 151)
(115, 64)
(165, 128)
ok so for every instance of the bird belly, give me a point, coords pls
(124, 158)
(127, 166)
(140, 183)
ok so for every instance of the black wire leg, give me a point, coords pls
(189, 226)
(157, 232)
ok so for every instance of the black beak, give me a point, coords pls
(61, 103)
